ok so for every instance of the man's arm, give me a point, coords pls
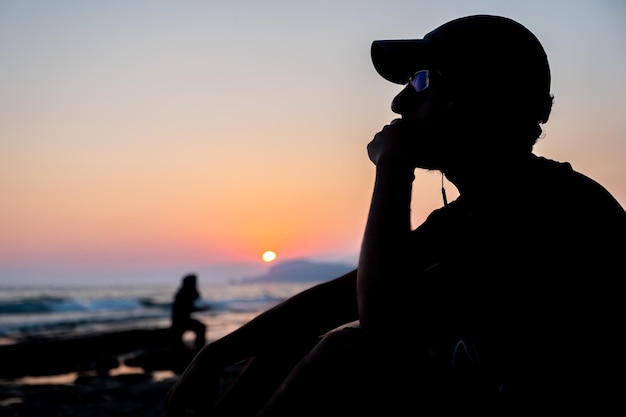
(311, 312)
(384, 258)
(307, 314)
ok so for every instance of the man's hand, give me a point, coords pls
(395, 143)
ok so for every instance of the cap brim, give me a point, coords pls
(397, 60)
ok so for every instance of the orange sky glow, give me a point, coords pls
(173, 136)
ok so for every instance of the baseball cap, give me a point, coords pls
(480, 51)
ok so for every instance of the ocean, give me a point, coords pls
(36, 311)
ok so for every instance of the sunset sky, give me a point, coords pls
(143, 139)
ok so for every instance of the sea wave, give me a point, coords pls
(25, 312)
(48, 304)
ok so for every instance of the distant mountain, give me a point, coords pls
(302, 271)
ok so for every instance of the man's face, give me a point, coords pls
(426, 118)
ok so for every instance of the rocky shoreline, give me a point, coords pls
(98, 352)
(136, 395)
(108, 374)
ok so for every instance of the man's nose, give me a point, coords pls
(404, 100)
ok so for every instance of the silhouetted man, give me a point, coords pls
(506, 301)
(184, 305)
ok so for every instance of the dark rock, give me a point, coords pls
(136, 395)
(96, 352)
(166, 358)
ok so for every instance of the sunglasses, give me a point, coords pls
(421, 80)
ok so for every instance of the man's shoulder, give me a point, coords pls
(449, 215)
(570, 185)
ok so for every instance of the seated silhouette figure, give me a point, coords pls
(504, 301)
(184, 305)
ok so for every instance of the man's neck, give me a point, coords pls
(479, 177)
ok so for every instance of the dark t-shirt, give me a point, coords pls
(530, 278)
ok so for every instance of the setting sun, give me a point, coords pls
(268, 256)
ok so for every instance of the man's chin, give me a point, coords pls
(428, 165)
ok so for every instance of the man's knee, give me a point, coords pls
(343, 339)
